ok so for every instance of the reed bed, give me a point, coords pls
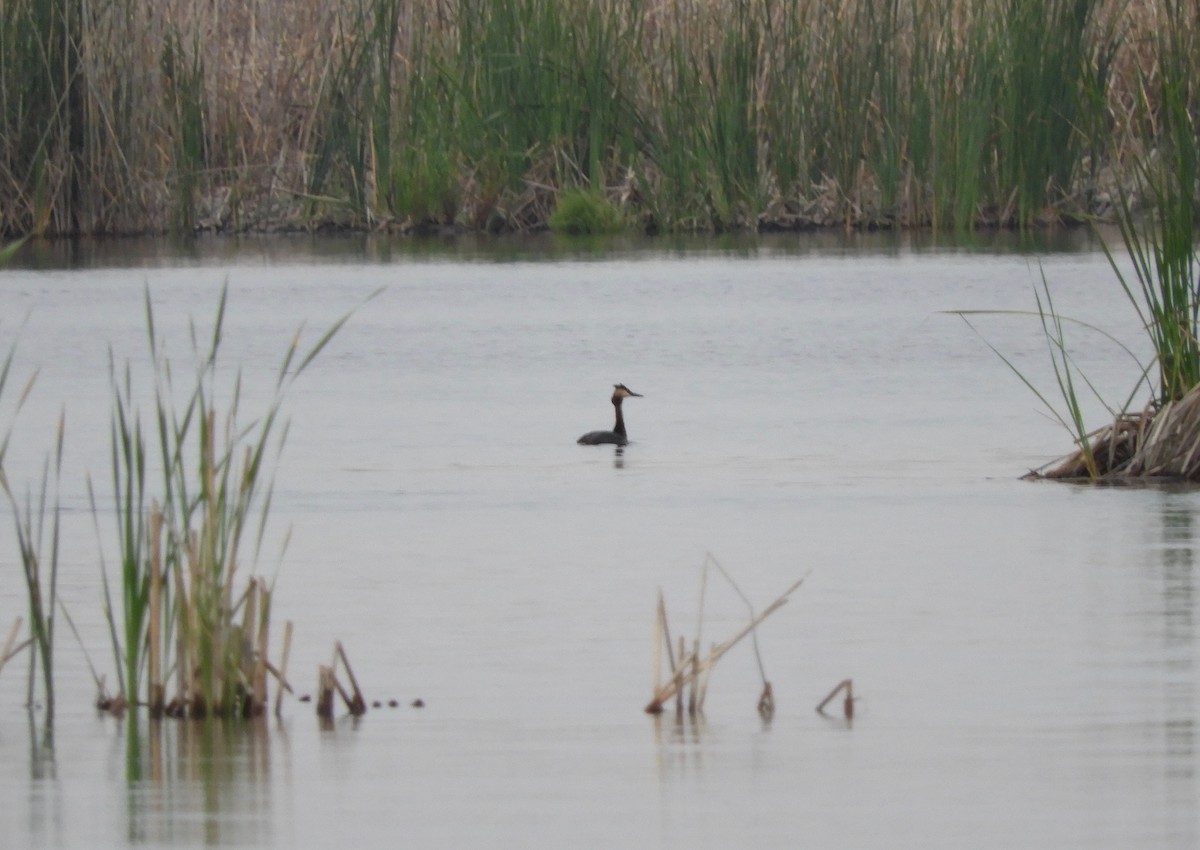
(135, 117)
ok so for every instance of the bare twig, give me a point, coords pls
(686, 672)
(846, 685)
(281, 673)
(357, 705)
(9, 650)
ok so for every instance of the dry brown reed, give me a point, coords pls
(690, 670)
(328, 685)
(1159, 443)
(846, 687)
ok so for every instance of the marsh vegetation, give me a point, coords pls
(133, 117)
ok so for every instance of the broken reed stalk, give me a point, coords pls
(766, 702)
(846, 685)
(328, 683)
(693, 699)
(684, 662)
(259, 689)
(749, 607)
(253, 648)
(281, 673)
(157, 696)
(358, 705)
(692, 667)
(9, 650)
(662, 636)
(704, 684)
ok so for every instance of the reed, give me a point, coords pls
(1162, 245)
(183, 542)
(750, 113)
(691, 669)
(1159, 236)
(186, 106)
(36, 523)
(43, 114)
(1042, 61)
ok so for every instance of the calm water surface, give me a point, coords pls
(1026, 654)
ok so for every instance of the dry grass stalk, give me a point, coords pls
(693, 700)
(685, 661)
(846, 685)
(9, 650)
(281, 673)
(766, 701)
(662, 638)
(1158, 443)
(157, 697)
(357, 704)
(1171, 447)
(692, 667)
(328, 684)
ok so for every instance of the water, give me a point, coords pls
(1025, 654)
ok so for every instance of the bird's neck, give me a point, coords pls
(619, 428)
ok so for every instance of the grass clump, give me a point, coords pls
(179, 614)
(1157, 218)
(580, 212)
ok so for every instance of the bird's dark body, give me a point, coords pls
(600, 438)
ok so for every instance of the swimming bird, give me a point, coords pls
(617, 435)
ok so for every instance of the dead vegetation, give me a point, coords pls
(689, 670)
(1161, 443)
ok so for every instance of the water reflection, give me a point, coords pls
(1179, 642)
(41, 745)
(352, 248)
(199, 781)
(45, 808)
(678, 728)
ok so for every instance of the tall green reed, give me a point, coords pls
(860, 40)
(186, 103)
(703, 138)
(1043, 58)
(952, 83)
(181, 542)
(42, 113)
(36, 523)
(1162, 243)
(353, 147)
(424, 175)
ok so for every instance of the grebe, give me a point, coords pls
(617, 435)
